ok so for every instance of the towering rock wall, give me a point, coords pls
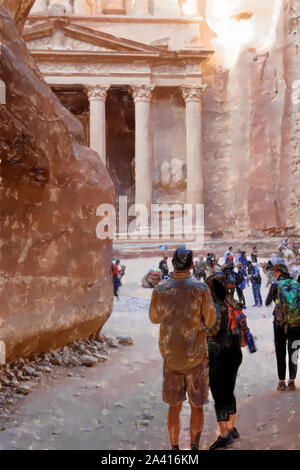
(251, 121)
(19, 10)
(55, 283)
(290, 161)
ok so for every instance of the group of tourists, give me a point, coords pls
(237, 269)
(203, 329)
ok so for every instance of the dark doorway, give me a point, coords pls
(120, 141)
(77, 102)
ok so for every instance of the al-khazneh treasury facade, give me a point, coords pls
(131, 72)
(170, 118)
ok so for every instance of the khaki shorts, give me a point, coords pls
(195, 383)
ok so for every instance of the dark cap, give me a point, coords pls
(182, 259)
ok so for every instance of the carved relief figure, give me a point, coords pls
(173, 174)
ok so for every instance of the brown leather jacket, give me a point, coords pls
(182, 307)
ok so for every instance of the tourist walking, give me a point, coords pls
(285, 293)
(183, 307)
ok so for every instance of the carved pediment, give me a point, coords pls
(59, 41)
(64, 36)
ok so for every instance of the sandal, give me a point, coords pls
(291, 385)
(281, 387)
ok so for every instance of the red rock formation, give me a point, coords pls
(288, 190)
(19, 9)
(55, 281)
(251, 130)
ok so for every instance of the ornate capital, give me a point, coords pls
(97, 92)
(193, 92)
(142, 93)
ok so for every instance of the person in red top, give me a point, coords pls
(116, 269)
(116, 277)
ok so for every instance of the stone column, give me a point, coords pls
(194, 158)
(142, 7)
(97, 97)
(143, 154)
(80, 7)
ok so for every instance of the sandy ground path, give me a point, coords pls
(117, 404)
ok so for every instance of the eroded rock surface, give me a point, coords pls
(55, 281)
(19, 9)
(251, 124)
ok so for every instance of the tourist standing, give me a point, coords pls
(254, 255)
(285, 293)
(228, 253)
(183, 307)
(240, 283)
(225, 357)
(116, 277)
(255, 278)
(163, 266)
(230, 276)
(243, 260)
(199, 269)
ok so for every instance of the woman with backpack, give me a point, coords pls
(225, 340)
(285, 293)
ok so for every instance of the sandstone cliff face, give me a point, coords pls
(290, 161)
(251, 130)
(55, 281)
(19, 10)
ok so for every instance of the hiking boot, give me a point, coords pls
(221, 442)
(291, 385)
(234, 433)
(281, 387)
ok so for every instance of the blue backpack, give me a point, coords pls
(289, 300)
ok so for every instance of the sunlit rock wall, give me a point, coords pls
(290, 161)
(55, 283)
(251, 122)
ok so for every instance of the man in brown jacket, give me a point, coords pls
(183, 307)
